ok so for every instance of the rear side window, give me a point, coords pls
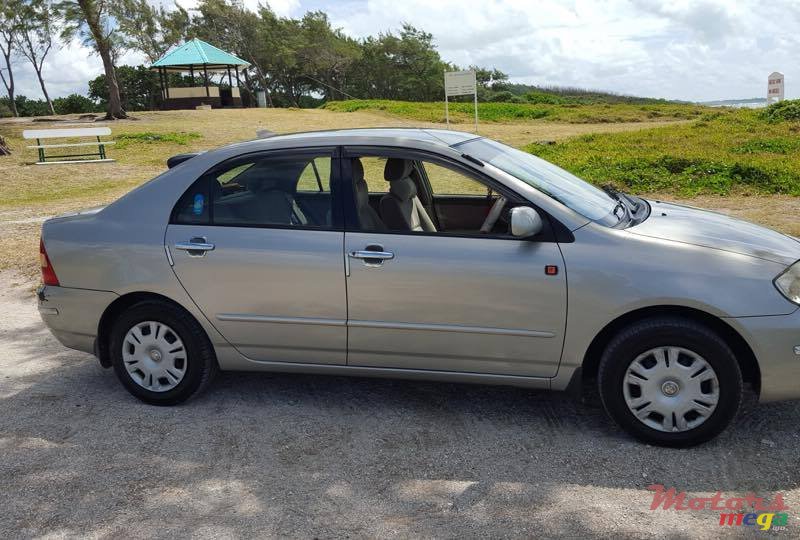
(286, 190)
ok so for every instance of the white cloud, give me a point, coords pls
(680, 49)
(281, 7)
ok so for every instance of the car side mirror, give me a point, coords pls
(525, 222)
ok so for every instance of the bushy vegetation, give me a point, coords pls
(75, 104)
(726, 152)
(560, 95)
(71, 104)
(788, 110)
(510, 112)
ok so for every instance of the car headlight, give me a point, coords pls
(789, 283)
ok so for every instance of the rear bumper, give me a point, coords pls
(775, 341)
(73, 315)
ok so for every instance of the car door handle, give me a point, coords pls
(196, 247)
(379, 255)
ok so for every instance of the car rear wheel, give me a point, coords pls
(161, 354)
(670, 381)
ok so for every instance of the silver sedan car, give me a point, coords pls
(427, 254)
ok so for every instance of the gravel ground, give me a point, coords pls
(322, 457)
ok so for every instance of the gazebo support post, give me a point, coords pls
(238, 85)
(191, 73)
(205, 77)
(161, 84)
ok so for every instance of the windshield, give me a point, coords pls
(562, 186)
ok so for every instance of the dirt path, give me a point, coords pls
(309, 456)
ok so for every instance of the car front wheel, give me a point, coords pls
(670, 381)
(161, 354)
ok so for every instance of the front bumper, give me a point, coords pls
(73, 315)
(775, 341)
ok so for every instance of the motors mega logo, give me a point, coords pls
(747, 511)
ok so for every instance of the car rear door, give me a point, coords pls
(257, 244)
(466, 302)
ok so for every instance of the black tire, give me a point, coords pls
(651, 333)
(201, 362)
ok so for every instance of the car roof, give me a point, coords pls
(441, 137)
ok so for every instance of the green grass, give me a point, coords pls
(515, 112)
(722, 153)
(149, 137)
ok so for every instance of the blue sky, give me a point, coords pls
(680, 49)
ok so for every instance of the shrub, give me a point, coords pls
(787, 110)
(31, 107)
(543, 98)
(499, 97)
(74, 104)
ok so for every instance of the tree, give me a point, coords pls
(405, 67)
(7, 33)
(326, 54)
(149, 29)
(35, 24)
(490, 78)
(250, 36)
(91, 20)
(139, 88)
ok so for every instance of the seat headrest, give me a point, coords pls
(404, 188)
(358, 169)
(397, 169)
(362, 192)
(359, 183)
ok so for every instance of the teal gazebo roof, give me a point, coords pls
(197, 53)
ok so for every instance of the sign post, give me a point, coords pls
(775, 87)
(460, 83)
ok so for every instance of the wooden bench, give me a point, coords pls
(96, 132)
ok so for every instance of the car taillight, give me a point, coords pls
(48, 274)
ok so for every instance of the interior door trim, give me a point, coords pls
(451, 328)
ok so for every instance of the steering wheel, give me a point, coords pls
(494, 215)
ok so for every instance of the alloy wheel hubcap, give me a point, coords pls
(671, 389)
(154, 356)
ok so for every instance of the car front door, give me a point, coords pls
(461, 301)
(257, 244)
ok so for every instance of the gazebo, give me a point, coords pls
(197, 56)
